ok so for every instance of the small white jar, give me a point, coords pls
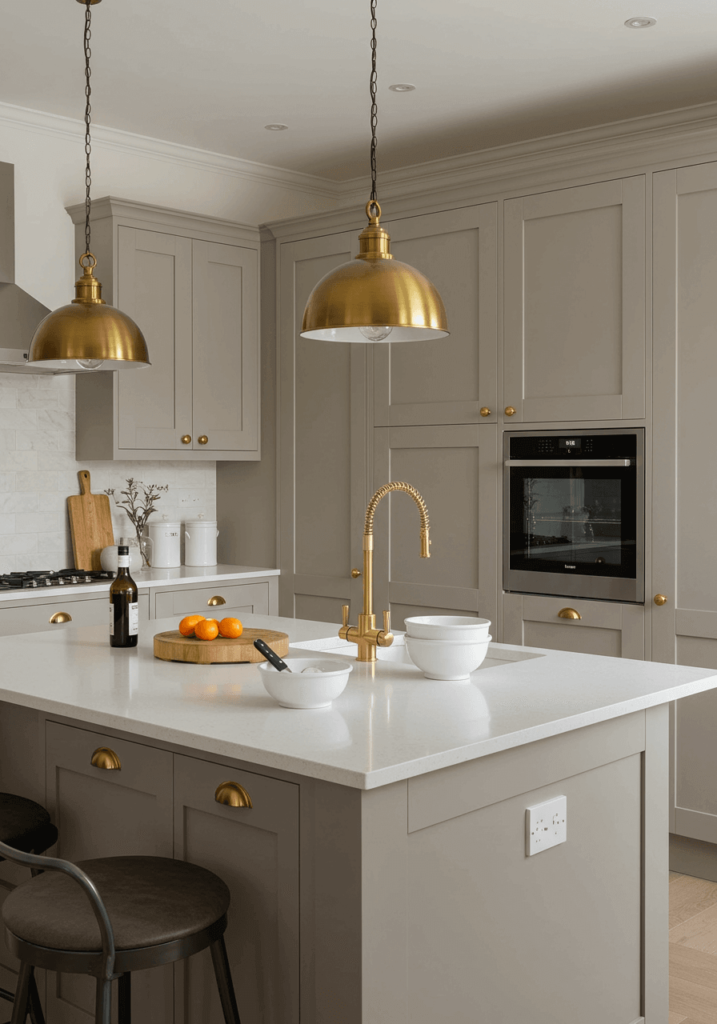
(200, 541)
(165, 537)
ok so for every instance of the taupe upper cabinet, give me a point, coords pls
(450, 380)
(192, 285)
(574, 346)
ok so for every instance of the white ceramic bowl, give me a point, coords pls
(440, 659)
(312, 682)
(461, 628)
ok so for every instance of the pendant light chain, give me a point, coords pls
(374, 106)
(88, 111)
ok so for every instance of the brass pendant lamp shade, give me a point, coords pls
(88, 334)
(374, 298)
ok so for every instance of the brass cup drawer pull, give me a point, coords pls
(60, 617)
(105, 758)
(660, 599)
(186, 439)
(231, 794)
(203, 439)
(569, 613)
(215, 601)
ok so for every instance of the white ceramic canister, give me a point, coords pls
(200, 541)
(165, 537)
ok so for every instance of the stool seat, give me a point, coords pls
(25, 825)
(150, 901)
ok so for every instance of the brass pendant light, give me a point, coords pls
(374, 297)
(88, 334)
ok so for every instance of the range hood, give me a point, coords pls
(20, 313)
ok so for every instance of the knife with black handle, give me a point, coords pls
(271, 656)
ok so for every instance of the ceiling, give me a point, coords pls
(212, 73)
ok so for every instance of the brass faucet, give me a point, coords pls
(365, 634)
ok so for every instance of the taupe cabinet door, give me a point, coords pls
(256, 851)
(575, 303)
(323, 479)
(604, 627)
(450, 380)
(101, 813)
(684, 510)
(455, 468)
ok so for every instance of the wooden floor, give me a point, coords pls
(693, 950)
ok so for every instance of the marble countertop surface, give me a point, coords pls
(390, 723)
(147, 578)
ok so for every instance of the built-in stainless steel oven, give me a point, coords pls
(574, 513)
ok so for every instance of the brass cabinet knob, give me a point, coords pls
(660, 599)
(203, 439)
(569, 613)
(355, 573)
(231, 794)
(509, 410)
(213, 602)
(485, 411)
(186, 439)
(60, 617)
(103, 757)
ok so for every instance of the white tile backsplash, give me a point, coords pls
(38, 471)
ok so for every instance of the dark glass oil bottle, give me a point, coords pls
(124, 607)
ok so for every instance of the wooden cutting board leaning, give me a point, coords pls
(172, 646)
(90, 524)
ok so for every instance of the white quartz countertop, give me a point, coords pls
(390, 723)
(147, 578)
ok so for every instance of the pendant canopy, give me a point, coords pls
(88, 334)
(374, 298)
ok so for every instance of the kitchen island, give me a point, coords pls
(381, 875)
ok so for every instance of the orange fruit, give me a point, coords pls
(207, 629)
(186, 626)
(230, 627)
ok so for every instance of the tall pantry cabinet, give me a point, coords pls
(192, 285)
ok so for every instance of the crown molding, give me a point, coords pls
(142, 145)
(146, 214)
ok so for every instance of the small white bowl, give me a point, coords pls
(461, 628)
(440, 659)
(312, 682)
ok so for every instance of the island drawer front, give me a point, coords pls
(459, 789)
(247, 597)
(32, 617)
(109, 813)
(256, 851)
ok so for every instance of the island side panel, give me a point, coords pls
(655, 842)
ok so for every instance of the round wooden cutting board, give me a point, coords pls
(172, 646)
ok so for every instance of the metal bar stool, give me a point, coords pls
(26, 826)
(111, 916)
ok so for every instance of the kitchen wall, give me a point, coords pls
(38, 471)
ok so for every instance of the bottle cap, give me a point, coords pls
(123, 549)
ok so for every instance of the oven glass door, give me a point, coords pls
(574, 520)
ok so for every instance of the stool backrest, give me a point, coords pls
(32, 860)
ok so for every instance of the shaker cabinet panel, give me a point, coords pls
(256, 851)
(603, 627)
(155, 288)
(247, 597)
(574, 345)
(225, 356)
(192, 286)
(451, 379)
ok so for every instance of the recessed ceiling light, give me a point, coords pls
(640, 23)
(402, 87)
(276, 127)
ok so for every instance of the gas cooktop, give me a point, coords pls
(37, 578)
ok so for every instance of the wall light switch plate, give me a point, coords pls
(546, 825)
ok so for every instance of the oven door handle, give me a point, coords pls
(577, 463)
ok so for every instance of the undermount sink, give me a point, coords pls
(398, 652)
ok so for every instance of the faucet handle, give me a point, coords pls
(345, 614)
(387, 622)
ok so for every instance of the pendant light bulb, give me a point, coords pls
(374, 298)
(88, 334)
